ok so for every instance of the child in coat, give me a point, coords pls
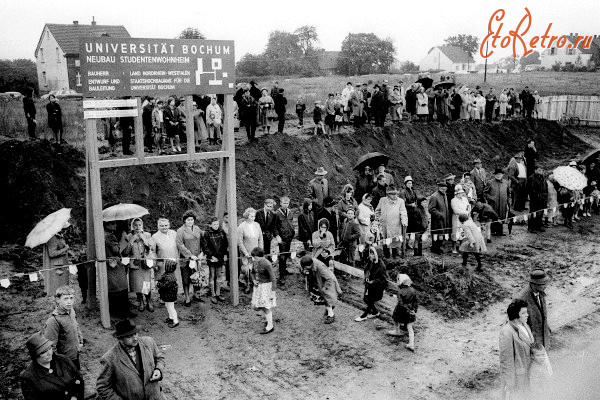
(473, 242)
(167, 289)
(405, 312)
(300, 108)
(318, 117)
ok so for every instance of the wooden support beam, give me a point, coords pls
(230, 187)
(221, 205)
(126, 162)
(91, 302)
(139, 132)
(96, 221)
(359, 273)
(189, 126)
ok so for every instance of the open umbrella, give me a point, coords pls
(426, 82)
(123, 211)
(594, 156)
(444, 85)
(371, 159)
(570, 178)
(48, 227)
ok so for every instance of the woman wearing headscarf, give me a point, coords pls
(365, 215)
(265, 105)
(396, 101)
(503, 101)
(346, 202)
(188, 242)
(422, 104)
(460, 205)
(249, 237)
(141, 248)
(515, 345)
(165, 240)
(323, 243)
(306, 223)
(56, 252)
(49, 376)
(326, 282)
(376, 279)
(405, 312)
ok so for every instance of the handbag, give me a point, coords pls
(338, 118)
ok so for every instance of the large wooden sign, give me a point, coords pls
(116, 67)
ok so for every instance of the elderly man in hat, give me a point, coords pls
(132, 369)
(49, 375)
(479, 179)
(439, 208)
(318, 187)
(517, 173)
(497, 194)
(392, 215)
(535, 297)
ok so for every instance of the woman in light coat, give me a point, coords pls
(265, 105)
(141, 248)
(249, 237)
(515, 344)
(393, 217)
(460, 205)
(422, 104)
(365, 215)
(552, 200)
(165, 240)
(473, 243)
(396, 104)
(323, 243)
(56, 252)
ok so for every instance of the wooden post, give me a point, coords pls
(139, 132)
(96, 220)
(221, 205)
(89, 217)
(230, 187)
(189, 125)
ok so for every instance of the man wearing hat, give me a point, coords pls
(393, 218)
(133, 368)
(439, 208)
(49, 375)
(479, 179)
(517, 173)
(318, 187)
(497, 194)
(535, 297)
(330, 215)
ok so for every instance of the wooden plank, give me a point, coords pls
(89, 114)
(112, 103)
(139, 132)
(126, 162)
(189, 126)
(230, 187)
(96, 206)
(359, 273)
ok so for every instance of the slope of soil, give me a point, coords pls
(42, 177)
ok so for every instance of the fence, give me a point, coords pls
(587, 108)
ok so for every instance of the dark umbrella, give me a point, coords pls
(370, 159)
(425, 82)
(444, 85)
(594, 156)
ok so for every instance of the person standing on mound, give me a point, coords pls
(263, 296)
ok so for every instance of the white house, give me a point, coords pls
(565, 55)
(447, 58)
(57, 53)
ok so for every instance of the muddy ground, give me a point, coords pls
(216, 353)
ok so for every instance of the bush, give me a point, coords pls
(556, 66)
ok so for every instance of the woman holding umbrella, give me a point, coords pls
(141, 247)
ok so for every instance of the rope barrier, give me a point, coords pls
(33, 276)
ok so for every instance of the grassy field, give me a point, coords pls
(547, 83)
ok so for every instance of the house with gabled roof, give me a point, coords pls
(57, 53)
(328, 62)
(447, 58)
(566, 54)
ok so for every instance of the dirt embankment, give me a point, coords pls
(40, 177)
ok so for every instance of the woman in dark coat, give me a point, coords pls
(376, 279)
(55, 118)
(306, 223)
(49, 376)
(417, 224)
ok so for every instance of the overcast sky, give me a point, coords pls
(415, 27)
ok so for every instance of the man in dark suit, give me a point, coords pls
(439, 208)
(479, 178)
(284, 233)
(266, 220)
(29, 108)
(132, 369)
(535, 297)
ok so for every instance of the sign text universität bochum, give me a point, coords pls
(117, 67)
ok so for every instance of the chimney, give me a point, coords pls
(93, 21)
(75, 22)
(576, 33)
(571, 34)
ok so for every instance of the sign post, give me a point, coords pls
(132, 67)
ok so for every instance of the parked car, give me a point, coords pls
(533, 67)
(63, 94)
(11, 95)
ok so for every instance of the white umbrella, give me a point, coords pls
(122, 211)
(570, 178)
(48, 227)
